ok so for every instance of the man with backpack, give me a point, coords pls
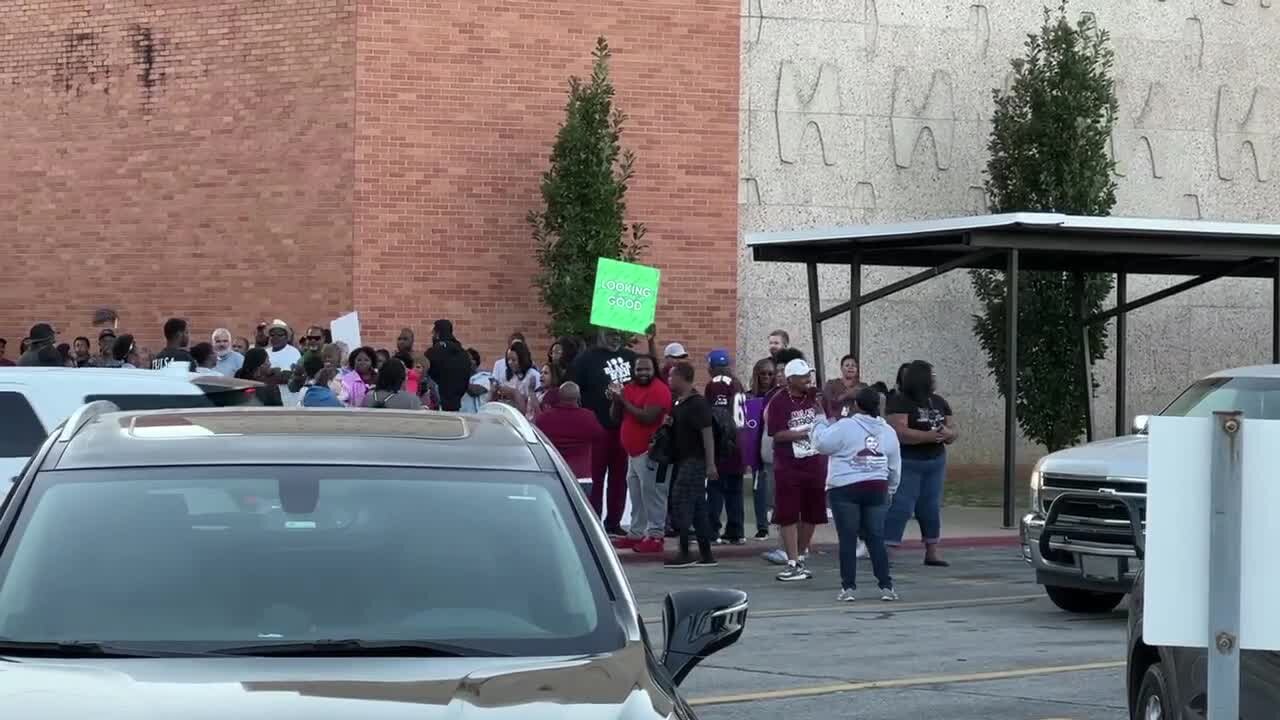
(728, 413)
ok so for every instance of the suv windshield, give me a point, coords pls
(208, 558)
(1256, 397)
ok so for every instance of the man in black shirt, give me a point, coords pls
(450, 366)
(176, 338)
(600, 373)
(695, 451)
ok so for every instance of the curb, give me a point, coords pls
(754, 548)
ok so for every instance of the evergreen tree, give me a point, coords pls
(585, 195)
(1050, 153)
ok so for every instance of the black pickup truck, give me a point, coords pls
(1168, 683)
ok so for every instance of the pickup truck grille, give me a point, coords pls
(1102, 511)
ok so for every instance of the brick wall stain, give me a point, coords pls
(232, 161)
(146, 53)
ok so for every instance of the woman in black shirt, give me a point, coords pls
(925, 426)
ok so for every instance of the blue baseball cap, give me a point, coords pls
(719, 358)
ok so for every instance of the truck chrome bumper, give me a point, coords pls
(1073, 562)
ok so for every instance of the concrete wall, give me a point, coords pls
(871, 111)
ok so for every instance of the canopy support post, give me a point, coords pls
(855, 310)
(1122, 326)
(815, 321)
(1010, 385)
(1086, 358)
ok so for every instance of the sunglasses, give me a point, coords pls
(316, 338)
(278, 333)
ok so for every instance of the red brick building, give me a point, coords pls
(232, 161)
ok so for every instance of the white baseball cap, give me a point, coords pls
(797, 368)
(675, 350)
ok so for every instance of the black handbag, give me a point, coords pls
(662, 446)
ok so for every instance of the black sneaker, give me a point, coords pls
(671, 533)
(732, 541)
(615, 531)
(762, 534)
(685, 560)
(794, 572)
(707, 561)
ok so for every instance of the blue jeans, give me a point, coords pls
(763, 496)
(860, 512)
(726, 494)
(919, 493)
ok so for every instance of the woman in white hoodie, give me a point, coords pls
(863, 471)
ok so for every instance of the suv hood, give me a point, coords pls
(248, 688)
(1118, 457)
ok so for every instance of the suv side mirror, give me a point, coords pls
(698, 623)
(1140, 423)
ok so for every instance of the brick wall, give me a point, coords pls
(187, 157)
(233, 161)
(457, 106)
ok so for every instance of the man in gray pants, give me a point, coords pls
(642, 405)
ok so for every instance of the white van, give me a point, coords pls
(35, 400)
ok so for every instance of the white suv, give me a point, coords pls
(34, 401)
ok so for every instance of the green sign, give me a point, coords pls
(626, 296)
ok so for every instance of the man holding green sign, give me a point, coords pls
(626, 296)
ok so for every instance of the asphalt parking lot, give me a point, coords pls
(975, 641)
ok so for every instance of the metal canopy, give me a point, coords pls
(1032, 241)
(1047, 241)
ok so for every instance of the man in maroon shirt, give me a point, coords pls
(728, 402)
(800, 473)
(574, 431)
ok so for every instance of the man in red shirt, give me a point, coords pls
(574, 431)
(800, 473)
(642, 406)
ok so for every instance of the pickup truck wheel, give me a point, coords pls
(1083, 601)
(1154, 702)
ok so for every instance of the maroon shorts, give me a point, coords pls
(799, 497)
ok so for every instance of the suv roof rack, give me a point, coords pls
(516, 418)
(83, 415)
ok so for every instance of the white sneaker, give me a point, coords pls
(845, 596)
(888, 594)
(776, 556)
(862, 549)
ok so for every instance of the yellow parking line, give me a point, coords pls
(880, 607)
(905, 682)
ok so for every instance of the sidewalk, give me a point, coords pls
(962, 526)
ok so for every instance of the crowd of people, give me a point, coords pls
(635, 426)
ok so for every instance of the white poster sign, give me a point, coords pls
(346, 329)
(1176, 570)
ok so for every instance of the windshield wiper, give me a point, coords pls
(352, 647)
(75, 649)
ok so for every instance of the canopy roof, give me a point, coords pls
(1046, 241)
